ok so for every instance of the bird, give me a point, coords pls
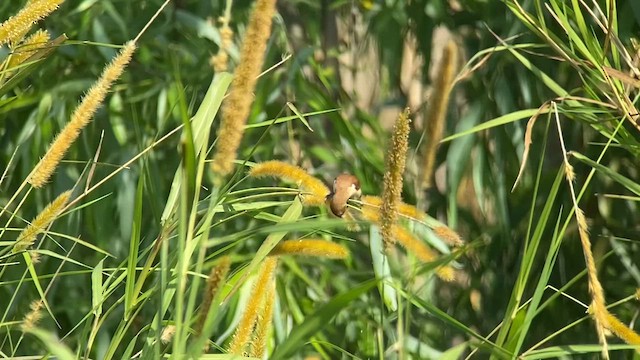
(345, 187)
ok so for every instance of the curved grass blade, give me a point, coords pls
(316, 321)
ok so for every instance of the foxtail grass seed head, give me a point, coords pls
(263, 325)
(406, 210)
(598, 304)
(14, 28)
(216, 277)
(413, 244)
(167, 334)
(242, 335)
(35, 256)
(447, 235)
(237, 105)
(39, 224)
(30, 45)
(394, 169)
(638, 294)
(315, 191)
(345, 187)
(311, 247)
(437, 112)
(33, 316)
(621, 330)
(82, 115)
(221, 59)
(420, 250)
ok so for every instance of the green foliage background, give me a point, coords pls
(522, 244)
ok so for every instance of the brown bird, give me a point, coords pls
(345, 186)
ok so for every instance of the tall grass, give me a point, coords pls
(132, 243)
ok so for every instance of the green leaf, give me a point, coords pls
(134, 244)
(58, 349)
(623, 180)
(315, 322)
(501, 120)
(202, 120)
(291, 215)
(381, 269)
(97, 297)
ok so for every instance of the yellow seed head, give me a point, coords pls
(263, 325)
(446, 273)
(242, 335)
(216, 277)
(82, 115)
(28, 236)
(30, 45)
(237, 105)
(12, 30)
(394, 169)
(437, 112)
(406, 210)
(311, 247)
(449, 236)
(621, 330)
(167, 334)
(33, 316)
(421, 251)
(315, 190)
(413, 244)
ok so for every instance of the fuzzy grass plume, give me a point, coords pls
(598, 304)
(263, 324)
(622, 331)
(216, 277)
(82, 115)
(14, 28)
(404, 209)
(33, 316)
(437, 112)
(40, 223)
(311, 247)
(242, 335)
(220, 61)
(394, 169)
(28, 47)
(315, 190)
(237, 105)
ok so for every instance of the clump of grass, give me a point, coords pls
(236, 107)
(315, 191)
(393, 175)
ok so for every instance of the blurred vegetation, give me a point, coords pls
(351, 67)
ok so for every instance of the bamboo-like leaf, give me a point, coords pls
(315, 322)
(203, 119)
(134, 245)
(381, 269)
(97, 297)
